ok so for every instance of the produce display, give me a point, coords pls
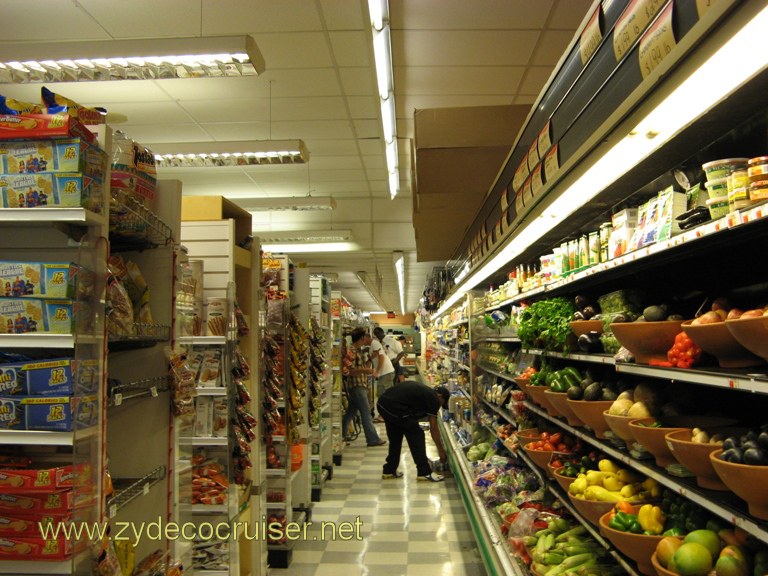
(750, 448)
(546, 324)
(609, 483)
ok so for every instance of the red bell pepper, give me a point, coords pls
(684, 353)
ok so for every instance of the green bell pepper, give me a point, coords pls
(624, 522)
(673, 532)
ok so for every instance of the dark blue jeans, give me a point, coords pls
(358, 401)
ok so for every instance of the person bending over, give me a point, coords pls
(402, 407)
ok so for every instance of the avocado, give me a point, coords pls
(587, 381)
(575, 393)
(609, 394)
(655, 313)
(593, 391)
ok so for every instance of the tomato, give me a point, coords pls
(548, 447)
(562, 447)
(556, 464)
(544, 435)
(555, 438)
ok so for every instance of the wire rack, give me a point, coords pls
(133, 227)
(119, 392)
(127, 490)
(142, 335)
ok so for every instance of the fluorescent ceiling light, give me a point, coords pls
(298, 203)
(382, 52)
(399, 262)
(379, 11)
(738, 60)
(372, 290)
(145, 59)
(311, 247)
(391, 152)
(289, 236)
(230, 153)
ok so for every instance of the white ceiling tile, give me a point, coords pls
(162, 133)
(336, 163)
(329, 147)
(300, 82)
(375, 162)
(458, 14)
(294, 50)
(244, 16)
(139, 113)
(213, 89)
(367, 129)
(238, 131)
(98, 93)
(474, 48)
(343, 14)
(534, 81)
(336, 176)
(39, 21)
(146, 18)
(352, 210)
(568, 14)
(364, 106)
(351, 48)
(397, 210)
(309, 216)
(372, 146)
(392, 236)
(550, 47)
(319, 108)
(328, 129)
(357, 81)
(461, 80)
(234, 110)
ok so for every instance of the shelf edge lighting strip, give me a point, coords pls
(739, 59)
(146, 59)
(382, 53)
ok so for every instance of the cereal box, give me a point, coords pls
(68, 189)
(54, 413)
(14, 127)
(44, 156)
(26, 315)
(56, 377)
(60, 501)
(45, 280)
(45, 479)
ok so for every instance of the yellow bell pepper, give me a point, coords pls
(651, 518)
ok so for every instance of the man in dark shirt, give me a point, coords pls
(402, 407)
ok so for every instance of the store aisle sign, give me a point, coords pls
(632, 22)
(657, 42)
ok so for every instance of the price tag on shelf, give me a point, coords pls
(153, 391)
(657, 42)
(732, 384)
(118, 399)
(113, 510)
(145, 488)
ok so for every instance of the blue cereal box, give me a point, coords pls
(49, 155)
(26, 315)
(53, 413)
(56, 377)
(45, 280)
(66, 189)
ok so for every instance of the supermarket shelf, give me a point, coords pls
(203, 441)
(498, 410)
(508, 377)
(276, 505)
(202, 340)
(45, 216)
(492, 546)
(463, 366)
(459, 323)
(482, 339)
(45, 438)
(126, 491)
(204, 508)
(726, 506)
(212, 572)
(275, 473)
(748, 380)
(38, 340)
(211, 391)
(37, 568)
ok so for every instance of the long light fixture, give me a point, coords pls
(739, 59)
(230, 153)
(382, 53)
(399, 261)
(372, 290)
(145, 59)
(309, 241)
(296, 203)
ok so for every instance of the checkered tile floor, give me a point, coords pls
(409, 528)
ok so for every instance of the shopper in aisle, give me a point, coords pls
(403, 406)
(358, 384)
(384, 372)
(394, 349)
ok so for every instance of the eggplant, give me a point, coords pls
(762, 439)
(590, 343)
(729, 443)
(734, 455)
(578, 316)
(580, 302)
(590, 311)
(750, 445)
(755, 457)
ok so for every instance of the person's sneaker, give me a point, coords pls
(397, 474)
(379, 443)
(432, 477)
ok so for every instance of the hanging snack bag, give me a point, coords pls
(58, 104)
(16, 107)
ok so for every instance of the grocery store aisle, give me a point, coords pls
(408, 528)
